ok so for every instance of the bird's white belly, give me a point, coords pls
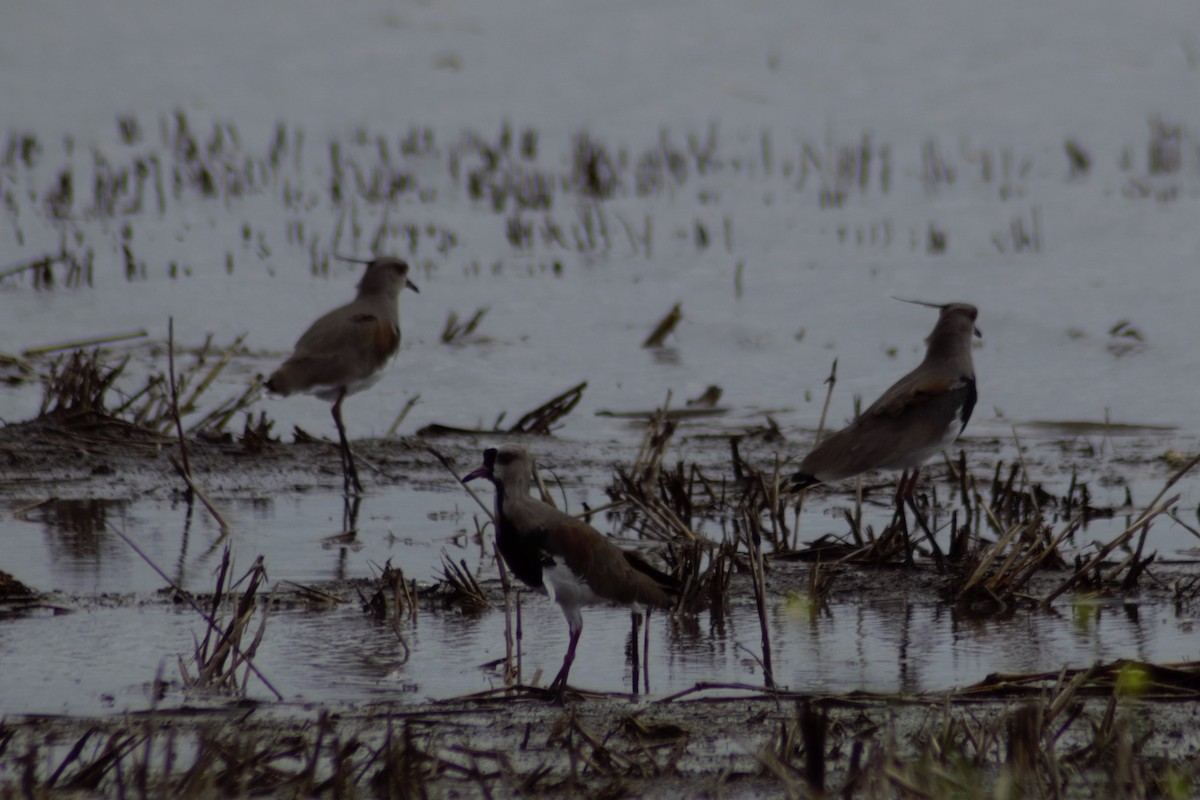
(566, 588)
(331, 392)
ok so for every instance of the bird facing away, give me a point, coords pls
(562, 556)
(914, 420)
(345, 350)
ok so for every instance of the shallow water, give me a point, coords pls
(104, 654)
(105, 659)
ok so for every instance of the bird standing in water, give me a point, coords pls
(914, 420)
(564, 557)
(345, 350)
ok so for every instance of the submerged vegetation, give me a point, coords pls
(551, 201)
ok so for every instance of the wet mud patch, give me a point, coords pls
(742, 744)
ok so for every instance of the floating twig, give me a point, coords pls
(76, 345)
(541, 419)
(664, 327)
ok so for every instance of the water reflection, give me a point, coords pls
(337, 653)
(181, 562)
(77, 534)
(77, 529)
(342, 654)
(303, 538)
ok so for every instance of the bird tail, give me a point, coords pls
(803, 480)
(660, 589)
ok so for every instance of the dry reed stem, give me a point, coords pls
(458, 576)
(445, 462)
(653, 447)
(82, 343)
(209, 620)
(753, 539)
(412, 401)
(213, 672)
(636, 487)
(219, 417)
(541, 419)
(223, 361)
(183, 453)
(1144, 519)
(313, 593)
(208, 504)
(454, 332)
(42, 263)
(830, 383)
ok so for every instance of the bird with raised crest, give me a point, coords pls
(918, 417)
(345, 350)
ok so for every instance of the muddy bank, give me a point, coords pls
(714, 743)
(82, 456)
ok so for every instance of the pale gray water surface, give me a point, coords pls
(104, 659)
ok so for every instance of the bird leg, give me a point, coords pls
(907, 485)
(646, 652)
(350, 515)
(938, 558)
(904, 488)
(349, 473)
(559, 685)
(633, 645)
(906, 493)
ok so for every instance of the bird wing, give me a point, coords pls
(608, 570)
(334, 353)
(366, 331)
(909, 394)
(910, 417)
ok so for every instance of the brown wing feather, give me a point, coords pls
(385, 337)
(901, 398)
(331, 352)
(882, 432)
(603, 565)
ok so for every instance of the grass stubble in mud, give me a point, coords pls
(1123, 729)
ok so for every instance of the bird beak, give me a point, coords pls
(978, 333)
(410, 285)
(483, 472)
